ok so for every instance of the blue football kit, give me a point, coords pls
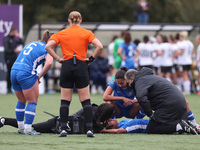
(23, 76)
(128, 52)
(128, 93)
(24, 70)
(134, 125)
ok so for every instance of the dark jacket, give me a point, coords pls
(99, 66)
(80, 113)
(53, 125)
(157, 94)
(10, 43)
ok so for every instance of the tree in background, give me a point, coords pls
(161, 11)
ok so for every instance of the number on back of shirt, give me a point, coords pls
(29, 48)
(131, 51)
(145, 53)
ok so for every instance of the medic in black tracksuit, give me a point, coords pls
(160, 100)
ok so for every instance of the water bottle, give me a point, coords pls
(74, 59)
(76, 126)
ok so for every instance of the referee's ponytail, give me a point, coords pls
(75, 17)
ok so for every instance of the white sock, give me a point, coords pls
(93, 89)
(28, 127)
(198, 88)
(194, 121)
(178, 127)
(179, 84)
(186, 85)
(20, 124)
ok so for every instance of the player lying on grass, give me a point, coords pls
(140, 125)
(101, 115)
(99, 119)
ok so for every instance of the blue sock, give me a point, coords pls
(191, 117)
(19, 111)
(140, 114)
(30, 113)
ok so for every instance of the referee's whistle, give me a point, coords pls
(74, 59)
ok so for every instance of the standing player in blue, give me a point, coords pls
(126, 51)
(25, 81)
(121, 97)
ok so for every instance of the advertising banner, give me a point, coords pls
(10, 16)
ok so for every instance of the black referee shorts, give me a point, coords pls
(74, 74)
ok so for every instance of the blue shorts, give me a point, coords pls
(125, 111)
(128, 63)
(22, 80)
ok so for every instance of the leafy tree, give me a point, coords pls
(161, 11)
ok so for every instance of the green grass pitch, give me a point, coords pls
(11, 140)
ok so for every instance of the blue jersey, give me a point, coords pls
(128, 93)
(128, 52)
(134, 125)
(128, 49)
(32, 55)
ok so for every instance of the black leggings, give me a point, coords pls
(43, 127)
(159, 128)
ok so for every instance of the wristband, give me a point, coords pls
(57, 59)
(91, 58)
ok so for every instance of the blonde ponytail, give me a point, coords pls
(75, 17)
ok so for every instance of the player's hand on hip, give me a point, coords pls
(87, 60)
(60, 60)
